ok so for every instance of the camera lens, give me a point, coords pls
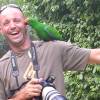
(50, 93)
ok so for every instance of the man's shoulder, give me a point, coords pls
(54, 45)
(53, 42)
(5, 56)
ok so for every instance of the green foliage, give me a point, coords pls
(79, 22)
(83, 85)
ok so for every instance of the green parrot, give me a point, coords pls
(44, 31)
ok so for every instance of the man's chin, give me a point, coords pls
(16, 42)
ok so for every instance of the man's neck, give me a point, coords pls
(18, 49)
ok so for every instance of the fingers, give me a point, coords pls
(33, 87)
(30, 90)
(35, 81)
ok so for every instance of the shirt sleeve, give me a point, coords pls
(2, 91)
(74, 57)
(3, 94)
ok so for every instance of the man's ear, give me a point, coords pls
(0, 30)
(0, 25)
(25, 20)
(1, 33)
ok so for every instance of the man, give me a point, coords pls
(19, 72)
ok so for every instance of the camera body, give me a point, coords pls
(49, 92)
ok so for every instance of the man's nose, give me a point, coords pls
(12, 25)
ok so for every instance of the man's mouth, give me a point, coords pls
(14, 33)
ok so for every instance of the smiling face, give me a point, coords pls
(13, 26)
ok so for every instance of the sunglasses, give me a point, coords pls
(9, 5)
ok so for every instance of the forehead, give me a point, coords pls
(11, 12)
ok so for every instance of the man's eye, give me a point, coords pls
(17, 20)
(6, 23)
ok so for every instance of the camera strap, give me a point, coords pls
(15, 71)
(33, 56)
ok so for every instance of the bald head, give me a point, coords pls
(10, 6)
(9, 10)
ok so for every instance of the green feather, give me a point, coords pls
(44, 31)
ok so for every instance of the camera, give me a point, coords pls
(49, 91)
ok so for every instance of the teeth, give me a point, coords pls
(14, 33)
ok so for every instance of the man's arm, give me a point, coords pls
(94, 57)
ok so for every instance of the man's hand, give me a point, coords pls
(30, 90)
